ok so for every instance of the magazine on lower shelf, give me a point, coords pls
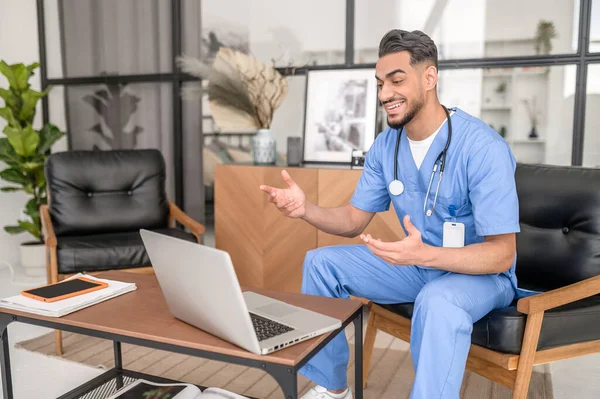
(144, 389)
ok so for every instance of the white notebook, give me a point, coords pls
(69, 305)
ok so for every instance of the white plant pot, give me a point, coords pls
(33, 259)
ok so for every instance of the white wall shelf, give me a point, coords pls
(530, 141)
(503, 93)
(496, 108)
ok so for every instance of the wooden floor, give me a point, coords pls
(391, 369)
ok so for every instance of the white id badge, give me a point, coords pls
(454, 235)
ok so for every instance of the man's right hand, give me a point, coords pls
(290, 201)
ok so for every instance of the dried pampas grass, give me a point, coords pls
(243, 92)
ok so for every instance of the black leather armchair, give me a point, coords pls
(97, 203)
(558, 253)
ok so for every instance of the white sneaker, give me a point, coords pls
(319, 392)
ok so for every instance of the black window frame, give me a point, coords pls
(581, 59)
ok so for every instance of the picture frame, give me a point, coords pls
(340, 114)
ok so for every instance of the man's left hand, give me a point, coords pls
(409, 251)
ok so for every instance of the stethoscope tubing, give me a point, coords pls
(441, 156)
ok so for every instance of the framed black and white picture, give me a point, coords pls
(341, 113)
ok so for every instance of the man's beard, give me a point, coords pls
(410, 114)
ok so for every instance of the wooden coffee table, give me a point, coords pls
(142, 318)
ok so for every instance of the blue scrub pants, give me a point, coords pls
(446, 306)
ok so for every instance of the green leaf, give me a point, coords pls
(10, 189)
(31, 166)
(14, 229)
(7, 153)
(31, 67)
(31, 228)
(7, 114)
(30, 99)
(32, 209)
(16, 74)
(21, 75)
(9, 98)
(42, 188)
(6, 70)
(24, 141)
(49, 135)
(14, 176)
(41, 180)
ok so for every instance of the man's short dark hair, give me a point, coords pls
(420, 46)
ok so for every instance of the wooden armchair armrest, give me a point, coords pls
(560, 296)
(47, 229)
(176, 213)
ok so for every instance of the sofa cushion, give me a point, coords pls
(97, 192)
(502, 329)
(559, 214)
(109, 251)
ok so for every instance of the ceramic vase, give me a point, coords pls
(263, 147)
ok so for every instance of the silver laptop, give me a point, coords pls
(201, 288)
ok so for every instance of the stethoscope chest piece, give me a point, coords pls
(396, 187)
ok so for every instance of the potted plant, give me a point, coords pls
(543, 37)
(501, 90)
(243, 93)
(24, 150)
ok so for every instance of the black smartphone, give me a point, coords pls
(64, 289)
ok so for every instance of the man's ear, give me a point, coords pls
(430, 77)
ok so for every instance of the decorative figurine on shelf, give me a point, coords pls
(533, 133)
(533, 113)
(243, 93)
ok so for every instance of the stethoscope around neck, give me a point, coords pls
(396, 187)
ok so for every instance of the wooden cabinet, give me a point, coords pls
(335, 188)
(267, 248)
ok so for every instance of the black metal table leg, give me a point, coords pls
(7, 389)
(286, 377)
(118, 364)
(358, 360)
(118, 356)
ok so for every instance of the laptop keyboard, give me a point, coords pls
(266, 328)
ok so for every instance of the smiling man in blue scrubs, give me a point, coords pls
(457, 261)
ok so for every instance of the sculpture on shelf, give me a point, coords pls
(243, 93)
(533, 114)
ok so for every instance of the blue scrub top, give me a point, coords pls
(479, 181)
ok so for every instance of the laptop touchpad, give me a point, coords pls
(276, 309)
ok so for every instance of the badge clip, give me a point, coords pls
(452, 211)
